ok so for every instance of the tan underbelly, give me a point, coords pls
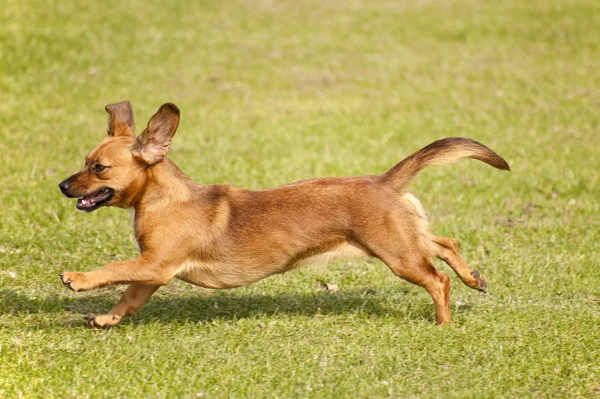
(222, 275)
(216, 275)
(348, 249)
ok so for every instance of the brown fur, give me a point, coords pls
(218, 236)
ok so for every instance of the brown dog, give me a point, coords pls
(217, 236)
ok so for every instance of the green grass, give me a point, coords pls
(272, 92)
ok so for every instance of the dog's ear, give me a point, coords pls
(153, 144)
(120, 119)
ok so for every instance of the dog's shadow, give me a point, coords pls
(227, 305)
(233, 306)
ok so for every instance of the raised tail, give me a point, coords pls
(441, 152)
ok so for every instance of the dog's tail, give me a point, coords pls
(441, 152)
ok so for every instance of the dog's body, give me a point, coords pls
(217, 236)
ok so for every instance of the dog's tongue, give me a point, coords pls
(90, 201)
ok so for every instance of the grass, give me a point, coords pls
(273, 92)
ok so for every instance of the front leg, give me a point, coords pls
(133, 298)
(138, 271)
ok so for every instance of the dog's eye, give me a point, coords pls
(99, 168)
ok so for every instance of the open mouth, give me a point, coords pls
(95, 200)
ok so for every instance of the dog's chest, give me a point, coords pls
(132, 213)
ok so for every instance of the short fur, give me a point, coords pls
(218, 236)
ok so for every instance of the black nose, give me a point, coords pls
(64, 186)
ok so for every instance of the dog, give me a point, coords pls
(218, 236)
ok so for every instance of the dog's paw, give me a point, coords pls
(71, 280)
(481, 283)
(103, 320)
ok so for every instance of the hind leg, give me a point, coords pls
(396, 232)
(423, 273)
(415, 267)
(446, 249)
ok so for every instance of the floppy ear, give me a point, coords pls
(120, 119)
(153, 144)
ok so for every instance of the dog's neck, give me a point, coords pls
(165, 184)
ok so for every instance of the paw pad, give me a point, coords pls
(481, 283)
(65, 283)
(105, 321)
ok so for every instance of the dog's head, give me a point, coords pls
(115, 172)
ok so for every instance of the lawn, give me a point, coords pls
(272, 92)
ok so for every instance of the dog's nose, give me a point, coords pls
(64, 186)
